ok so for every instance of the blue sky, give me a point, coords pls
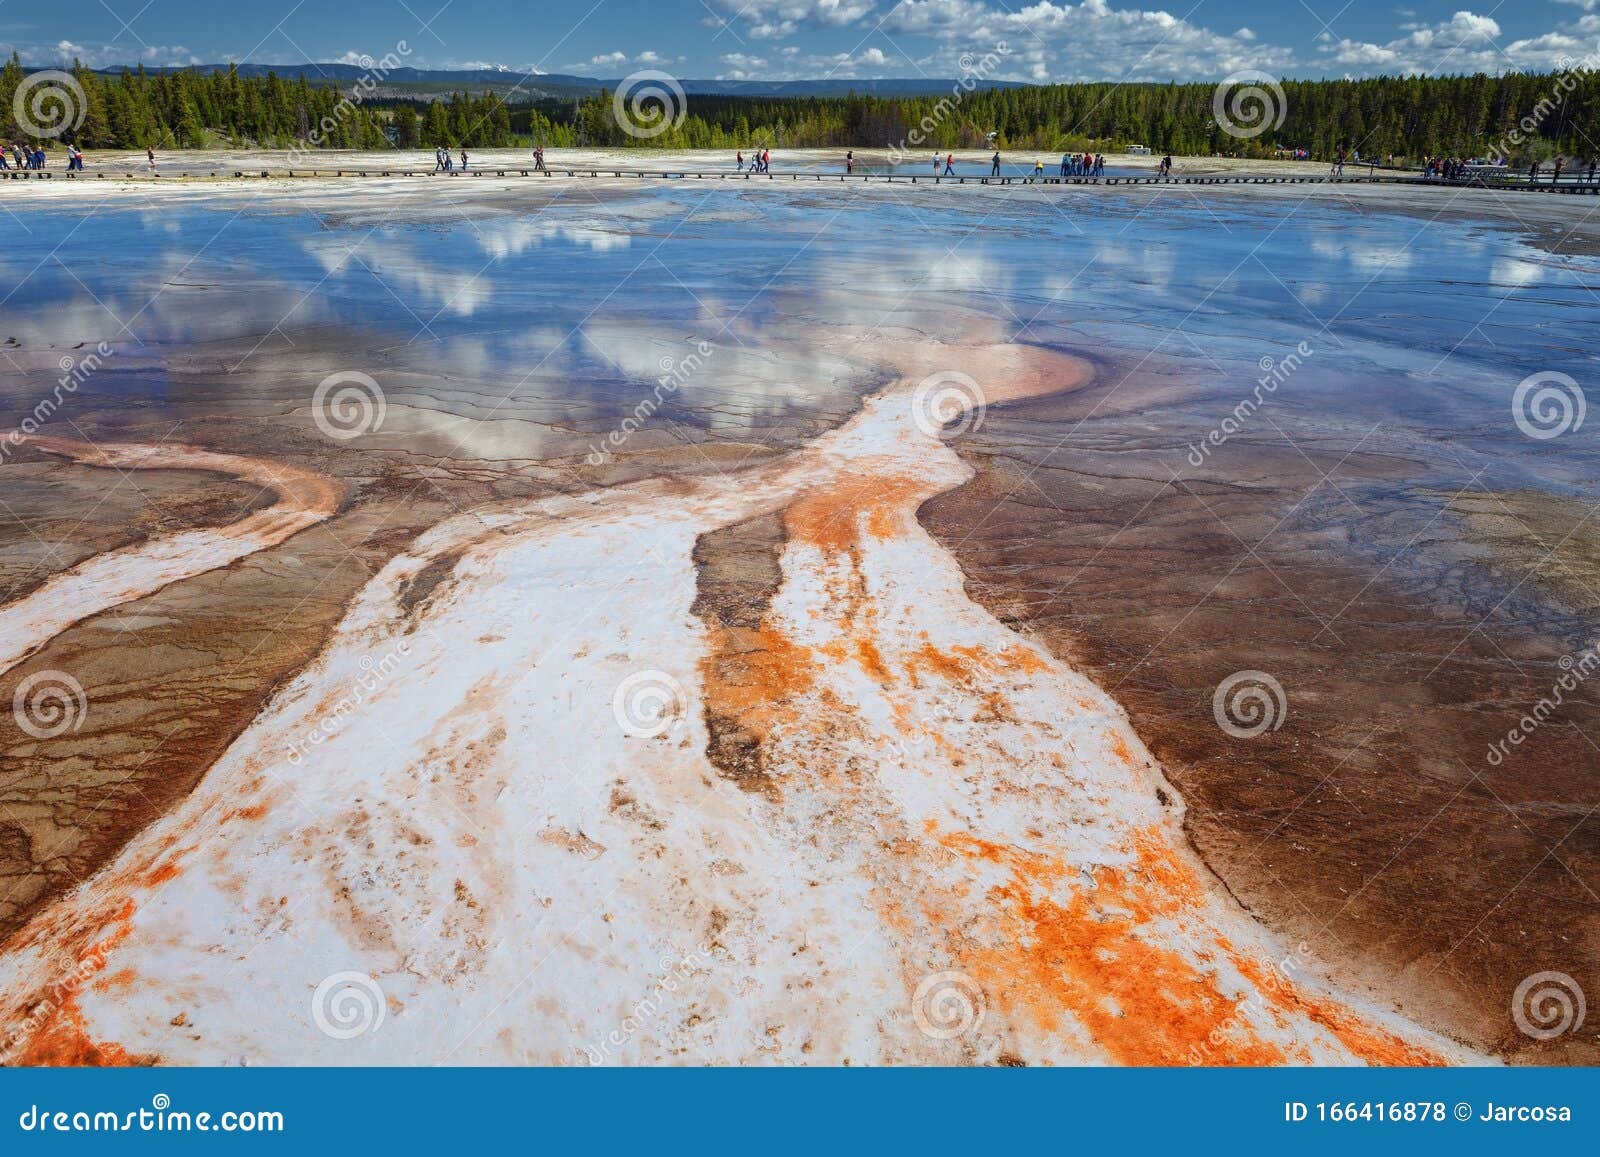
(787, 39)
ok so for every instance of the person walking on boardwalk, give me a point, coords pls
(1066, 163)
(150, 155)
(1592, 165)
(994, 165)
(463, 160)
(1555, 175)
(937, 161)
(850, 162)
(538, 160)
(766, 160)
(738, 161)
(950, 165)
(1038, 169)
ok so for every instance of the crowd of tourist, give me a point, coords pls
(34, 157)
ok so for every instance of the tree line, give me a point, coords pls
(1519, 115)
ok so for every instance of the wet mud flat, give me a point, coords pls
(1411, 613)
(908, 798)
(1381, 541)
(225, 351)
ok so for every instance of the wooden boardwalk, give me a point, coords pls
(1508, 184)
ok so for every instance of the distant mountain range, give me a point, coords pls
(425, 83)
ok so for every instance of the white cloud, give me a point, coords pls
(1086, 41)
(1466, 43)
(611, 61)
(771, 19)
(64, 52)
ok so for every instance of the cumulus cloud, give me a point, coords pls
(743, 66)
(64, 52)
(1057, 40)
(606, 61)
(869, 63)
(772, 19)
(1087, 41)
(1465, 43)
